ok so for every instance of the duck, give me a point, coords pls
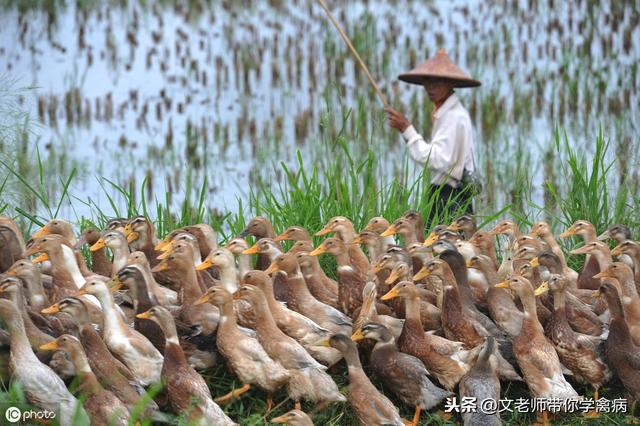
(587, 231)
(206, 237)
(313, 276)
(350, 281)
(41, 385)
(578, 352)
(578, 314)
(620, 351)
(237, 246)
(102, 406)
(404, 374)
(447, 361)
(110, 371)
(378, 225)
(294, 418)
(629, 297)
(430, 314)
(481, 383)
(300, 298)
(542, 230)
(501, 307)
(100, 263)
(12, 244)
(116, 224)
(294, 233)
(628, 251)
(406, 228)
(485, 246)
(370, 406)
(186, 249)
(309, 380)
(465, 223)
(260, 227)
(244, 355)
(31, 278)
(141, 236)
(204, 316)
(182, 383)
(534, 353)
(165, 296)
(134, 350)
(57, 227)
(508, 228)
(368, 312)
(435, 234)
(344, 230)
(617, 232)
(117, 243)
(467, 326)
(267, 250)
(371, 241)
(295, 325)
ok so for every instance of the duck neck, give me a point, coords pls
(244, 264)
(89, 384)
(387, 242)
(112, 319)
(346, 234)
(264, 320)
(409, 237)
(170, 333)
(603, 260)
(372, 249)
(68, 259)
(530, 312)
(190, 288)
(412, 310)
(353, 361)
(35, 291)
(342, 258)
(120, 255)
(298, 286)
(228, 277)
(490, 274)
(20, 346)
(559, 298)
(227, 316)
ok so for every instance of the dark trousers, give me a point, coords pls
(449, 203)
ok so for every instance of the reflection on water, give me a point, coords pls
(222, 90)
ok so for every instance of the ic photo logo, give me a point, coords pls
(13, 414)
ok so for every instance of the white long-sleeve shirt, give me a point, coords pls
(451, 148)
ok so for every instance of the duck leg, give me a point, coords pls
(416, 416)
(297, 405)
(231, 395)
(269, 402)
(545, 419)
(593, 413)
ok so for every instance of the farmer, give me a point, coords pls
(449, 154)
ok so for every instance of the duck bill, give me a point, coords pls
(11, 272)
(98, 245)
(432, 238)
(533, 233)
(144, 315)
(357, 240)
(53, 309)
(535, 262)
(580, 250)
(204, 265)
(568, 233)
(604, 236)
(357, 336)
(602, 274)
(376, 268)
(454, 226)
(503, 284)
(323, 342)
(51, 346)
(115, 284)
(283, 419)
(596, 294)
(165, 254)
(81, 292)
(422, 273)
(324, 231)
(469, 263)
(161, 267)
(542, 289)
(391, 294)
(318, 251)
(251, 250)
(617, 251)
(43, 257)
(132, 236)
(391, 230)
(392, 278)
(41, 232)
(282, 237)
(273, 268)
(162, 245)
(202, 300)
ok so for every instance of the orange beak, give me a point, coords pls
(569, 232)
(42, 232)
(503, 284)
(357, 240)
(393, 277)
(603, 274)
(357, 336)
(53, 309)
(252, 250)
(534, 262)
(202, 300)
(12, 272)
(98, 245)
(421, 274)
(454, 226)
(324, 231)
(51, 346)
(391, 230)
(272, 268)
(43, 257)
(318, 251)
(617, 251)
(282, 237)
(432, 238)
(204, 265)
(162, 266)
(391, 294)
(162, 245)
(144, 315)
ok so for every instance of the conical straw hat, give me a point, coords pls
(439, 66)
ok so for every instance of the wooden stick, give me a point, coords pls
(355, 53)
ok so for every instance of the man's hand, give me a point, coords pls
(397, 120)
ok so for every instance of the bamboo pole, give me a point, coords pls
(344, 36)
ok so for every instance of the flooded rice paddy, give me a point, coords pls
(134, 91)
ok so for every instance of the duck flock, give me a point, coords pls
(437, 318)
